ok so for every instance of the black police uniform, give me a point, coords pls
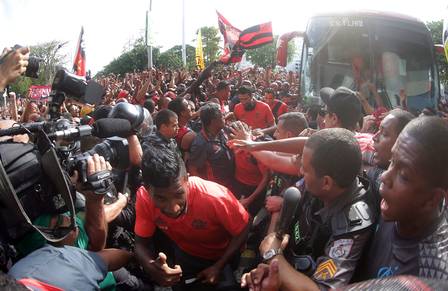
(327, 242)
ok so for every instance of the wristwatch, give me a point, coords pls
(269, 254)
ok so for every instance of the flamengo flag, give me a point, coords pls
(256, 36)
(231, 34)
(236, 41)
(445, 36)
(199, 53)
(79, 64)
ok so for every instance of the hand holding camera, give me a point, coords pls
(13, 63)
(99, 177)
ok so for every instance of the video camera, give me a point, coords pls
(34, 178)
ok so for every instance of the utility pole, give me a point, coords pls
(184, 50)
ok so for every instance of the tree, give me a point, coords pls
(134, 59)
(51, 59)
(267, 55)
(436, 28)
(210, 43)
(172, 58)
(263, 56)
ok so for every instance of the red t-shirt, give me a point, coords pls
(260, 117)
(180, 135)
(247, 170)
(365, 141)
(212, 218)
(282, 108)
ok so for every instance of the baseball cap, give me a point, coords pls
(344, 103)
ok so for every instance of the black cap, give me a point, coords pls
(344, 103)
(245, 90)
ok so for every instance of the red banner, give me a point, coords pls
(38, 92)
(282, 47)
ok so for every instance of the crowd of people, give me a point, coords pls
(213, 155)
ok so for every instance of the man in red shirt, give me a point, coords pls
(254, 113)
(223, 95)
(277, 106)
(206, 224)
(185, 135)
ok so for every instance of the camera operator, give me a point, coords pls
(13, 63)
(74, 267)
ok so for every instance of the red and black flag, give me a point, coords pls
(236, 41)
(256, 36)
(232, 52)
(79, 64)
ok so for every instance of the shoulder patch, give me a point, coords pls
(326, 270)
(341, 248)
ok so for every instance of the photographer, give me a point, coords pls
(13, 63)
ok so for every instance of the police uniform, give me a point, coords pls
(327, 242)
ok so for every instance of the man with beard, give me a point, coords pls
(254, 113)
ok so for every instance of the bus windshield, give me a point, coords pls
(385, 60)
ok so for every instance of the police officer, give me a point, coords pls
(332, 225)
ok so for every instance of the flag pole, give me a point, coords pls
(184, 51)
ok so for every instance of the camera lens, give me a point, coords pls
(33, 67)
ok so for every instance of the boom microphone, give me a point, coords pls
(108, 127)
(23, 128)
(103, 128)
(291, 199)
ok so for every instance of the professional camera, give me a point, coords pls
(33, 63)
(65, 85)
(115, 150)
(33, 67)
(32, 183)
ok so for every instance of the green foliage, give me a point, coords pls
(436, 28)
(210, 43)
(263, 56)
(172, 58)
(22, 85)
(134, 59)
(267, 55)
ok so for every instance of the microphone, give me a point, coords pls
(23, 128)
(103, 128)
(108, 127)
(291, 199)
(71, 133)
